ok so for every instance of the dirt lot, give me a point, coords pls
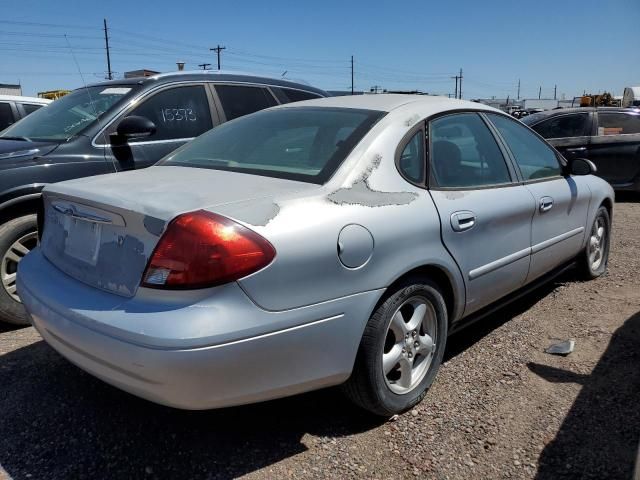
(500, 407)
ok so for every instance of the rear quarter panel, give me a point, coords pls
(367, 191)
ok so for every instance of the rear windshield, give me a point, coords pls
(304, 143)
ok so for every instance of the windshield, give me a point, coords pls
(297, 143)
(69, 115)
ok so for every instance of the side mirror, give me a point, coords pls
(135, 127)
(581, 166)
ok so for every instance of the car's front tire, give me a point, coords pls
(17, 238)
(401, 349)
(595, 257)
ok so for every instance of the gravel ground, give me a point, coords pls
(500, 407)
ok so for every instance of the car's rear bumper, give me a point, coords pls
(317, 348)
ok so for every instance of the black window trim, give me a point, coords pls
(143, 96)
(561, 160)
(431, 182)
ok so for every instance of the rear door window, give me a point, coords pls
(288, 95)
(618, 123)
(464, 153)
(534, 157)
(240, 100)
(411, 161)
(6, 115)
(178, 113)
(563, 126)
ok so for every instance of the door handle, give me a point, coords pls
(546, 203)
(576, 150)
(463, 220)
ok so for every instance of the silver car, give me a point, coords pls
(332, 241)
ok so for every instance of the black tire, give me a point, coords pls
(587, 267)
(11, 310)
(368, 386)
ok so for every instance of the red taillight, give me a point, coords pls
(201, 249)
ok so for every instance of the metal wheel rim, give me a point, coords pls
(597, 243)
(410, 344)
(10, 260)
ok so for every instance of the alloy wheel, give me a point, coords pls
(410, 344)
(10, 260)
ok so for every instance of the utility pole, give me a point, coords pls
(218, 50)
(555, 91)
(106, 41)
(460, 84)
(456, 94)
(205, 66)
(539, 92)
(351, 74)
(518, 89)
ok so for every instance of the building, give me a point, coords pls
(53, 94)
(10, 89)
(140, 73)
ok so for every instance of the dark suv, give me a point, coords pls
(106, 128)
(608, 136)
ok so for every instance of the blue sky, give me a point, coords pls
(576, 45)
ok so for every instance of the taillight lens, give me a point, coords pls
(201, 249)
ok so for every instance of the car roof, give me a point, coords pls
(20, 98)
(387, 102)
(213, 76)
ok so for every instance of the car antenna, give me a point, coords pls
(93, 106)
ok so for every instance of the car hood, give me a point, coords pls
(164, 192)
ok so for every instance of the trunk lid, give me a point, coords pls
(102, 230)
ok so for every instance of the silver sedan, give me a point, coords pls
(333, 241)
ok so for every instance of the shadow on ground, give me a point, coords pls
(59, 422)
(599, 437)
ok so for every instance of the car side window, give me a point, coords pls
(288, 95)
(411, 161)
(6, 115)
(239, 100)
(30, 107)
(563, 126)
(180, 112)
(618, 123)
(534, 157)
(463, 153)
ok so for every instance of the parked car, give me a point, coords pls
(309, 245)
(608, 136)
(13, 108)
(110, 127)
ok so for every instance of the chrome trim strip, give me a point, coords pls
(72, 212)
(155, 142)
(552, 241)
(499, 263)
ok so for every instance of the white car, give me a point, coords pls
(14, 108)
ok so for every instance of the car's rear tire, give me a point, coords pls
(17, 237)
(401, 349)
(594, 259)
